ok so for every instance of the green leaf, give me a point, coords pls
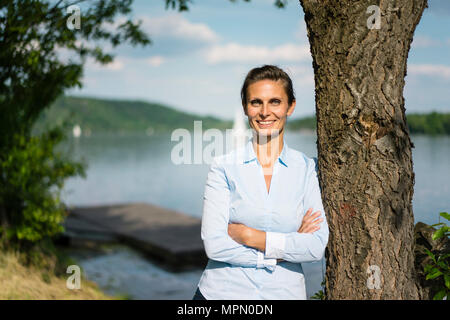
(445, 215)
(440, 295)
(447, 281)
(434, 274)
(441, 263)
(437, 224)
(439, 233)
(318, 296)
(427, 268)
(428, 252)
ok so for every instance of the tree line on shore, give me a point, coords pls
(432, 123)
(109, 116)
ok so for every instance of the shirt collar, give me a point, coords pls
(249, 154)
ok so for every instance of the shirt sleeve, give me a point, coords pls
(214, 231)
(302, 247)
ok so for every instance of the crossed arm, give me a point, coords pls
(243, 246)
(257, 238)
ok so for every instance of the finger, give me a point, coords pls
(312, 221)
(308, 215)
(317, 221)
(313, 224)
(313, 229)
(309, 230)
(308, 227)
(316, 214)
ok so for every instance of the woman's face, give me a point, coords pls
(267, 107)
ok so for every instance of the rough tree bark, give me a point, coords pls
(364, 148)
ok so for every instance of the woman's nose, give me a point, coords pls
(265, 110)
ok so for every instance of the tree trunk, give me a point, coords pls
(364, 149)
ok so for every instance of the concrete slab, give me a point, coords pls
(167, 235)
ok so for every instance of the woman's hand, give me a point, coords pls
(309, 224)
(257, 239)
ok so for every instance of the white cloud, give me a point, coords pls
(115, 65)
(301, 74)
(156, 61)
(177, 26)
(424, 42)
(119, 63)
(432, 70)
(234, 52)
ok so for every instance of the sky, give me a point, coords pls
(198, 59)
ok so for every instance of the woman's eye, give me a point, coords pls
(276, 102)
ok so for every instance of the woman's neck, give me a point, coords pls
(268, 149)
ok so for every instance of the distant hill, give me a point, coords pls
(128, 116)
(121, 116)
(433, 123)
(306, 123)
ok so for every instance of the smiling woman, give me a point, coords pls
(255, 229)
(268, 99)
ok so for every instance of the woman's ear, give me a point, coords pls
(291, 108)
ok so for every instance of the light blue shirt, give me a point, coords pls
(236, 192)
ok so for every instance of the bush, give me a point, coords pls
(439, 266)
(32, 176)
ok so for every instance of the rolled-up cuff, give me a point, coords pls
(266, 263)
(275, 244)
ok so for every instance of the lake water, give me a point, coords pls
(138, 168)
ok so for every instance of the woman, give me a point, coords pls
(255, 229)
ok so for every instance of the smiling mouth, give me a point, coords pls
(265, 123)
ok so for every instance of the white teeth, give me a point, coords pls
(265, 122)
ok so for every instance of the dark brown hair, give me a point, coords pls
(267, 72)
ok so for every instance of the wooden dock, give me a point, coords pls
(170, 237)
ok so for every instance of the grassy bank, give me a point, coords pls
(45, 280)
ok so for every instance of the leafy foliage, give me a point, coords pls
(439, 268)
(32, 73)
(319, 295)
(33, 175)
(183, 5)
(40, 57)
